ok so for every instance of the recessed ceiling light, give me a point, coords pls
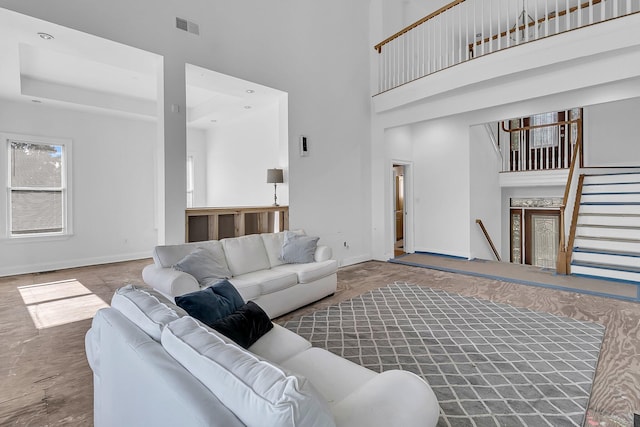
(250, 91)
(213, 121)
(247, 107)
(37, 101)
(46, 36)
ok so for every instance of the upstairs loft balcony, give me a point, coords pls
(466, 29)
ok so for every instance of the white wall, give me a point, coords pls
(112, 185)
(441, 173)
(197, 148)
(611, 134)
(484, 192)
(238, 156)
(399, 141)
(398, 14)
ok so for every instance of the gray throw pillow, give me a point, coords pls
(211, 304)
(298, 249)
(206, 266)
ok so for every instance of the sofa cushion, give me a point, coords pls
(312, 271)
(298, 249)
(211, 304)
(256, 391)
(273, 245)
(279, 344)
(167, 255)
(338, 377)
(207, 265)
(147, 308)
(264, 282)
(246, 325)
(245, 254)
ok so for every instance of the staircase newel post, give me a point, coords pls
(561, 262)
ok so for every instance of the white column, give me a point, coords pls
(171, 176)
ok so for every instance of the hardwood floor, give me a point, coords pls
(46, 380)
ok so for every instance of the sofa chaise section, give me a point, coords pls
(155, 365)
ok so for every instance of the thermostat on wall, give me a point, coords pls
(304, 146)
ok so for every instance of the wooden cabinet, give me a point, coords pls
(219, 223)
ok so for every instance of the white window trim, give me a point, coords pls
(67, 193)
(190, 180)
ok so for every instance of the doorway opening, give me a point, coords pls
(399, 209)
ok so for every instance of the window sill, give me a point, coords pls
(37, 238)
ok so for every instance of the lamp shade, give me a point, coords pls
(274, 176)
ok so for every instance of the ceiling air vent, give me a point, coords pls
(184, 25)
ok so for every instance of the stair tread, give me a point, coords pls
(606, 266)
(610, 239)
(617, 227)
(625, 215)
(614, 173)
(610, 183)
(610, 203)
(605, 193)
(605, 252)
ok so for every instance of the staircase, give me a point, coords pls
(607, 238)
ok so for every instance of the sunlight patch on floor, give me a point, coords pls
(58, 303)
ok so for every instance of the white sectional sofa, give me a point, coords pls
(256, 270)
(153, 365)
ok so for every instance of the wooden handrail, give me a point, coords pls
(444, 8)
(454, 3)
(573, 165)
(565, 122)
(550, 16)
(486, 235)
(564, 254)
(574, 221)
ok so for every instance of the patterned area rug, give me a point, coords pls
(489, 364)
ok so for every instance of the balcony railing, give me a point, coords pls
(540, 142)
(467, 29)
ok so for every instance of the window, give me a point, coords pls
(190, 179)
(544, 136)
(37, 198)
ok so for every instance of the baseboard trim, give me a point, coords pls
(60, 265)
(442, 255)
(354, 260)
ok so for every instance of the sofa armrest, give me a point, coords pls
(392, 398)
(323, 253)
(169, 281)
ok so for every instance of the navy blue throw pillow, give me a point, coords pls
(211, 304)
(246, 325)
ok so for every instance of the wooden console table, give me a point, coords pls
(219, 223)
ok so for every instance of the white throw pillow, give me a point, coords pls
(259, 393)
(147, 308)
